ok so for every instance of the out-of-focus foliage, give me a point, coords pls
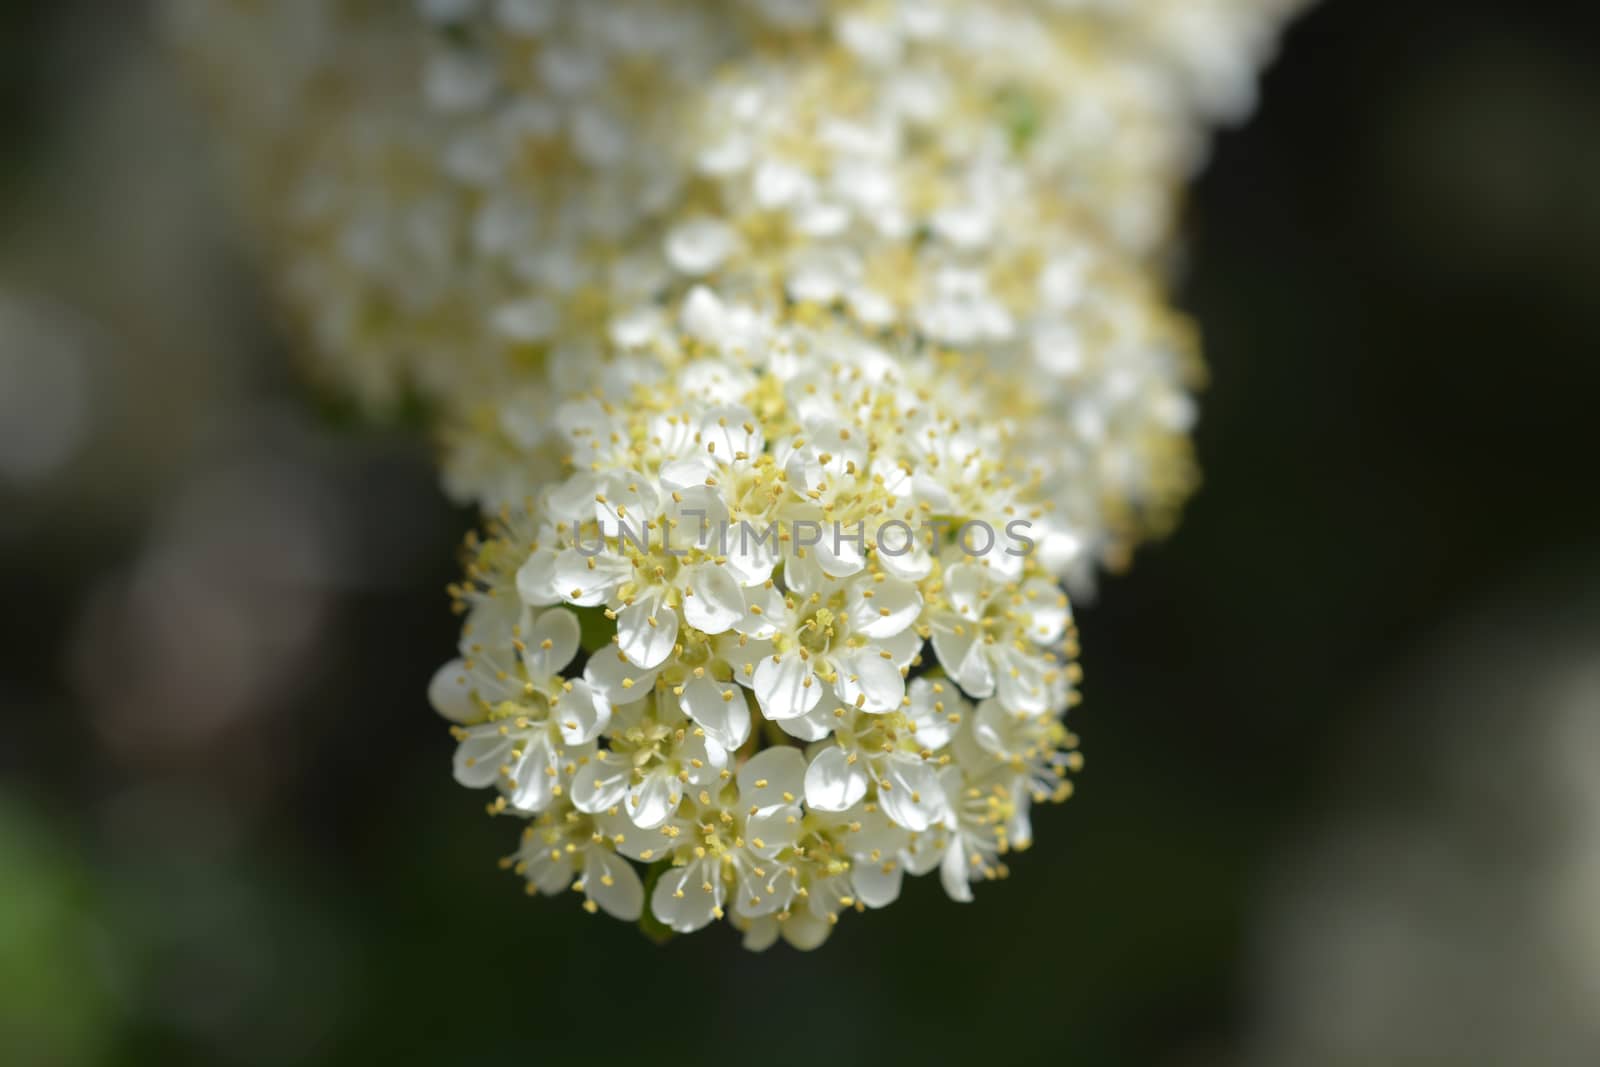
(55, 1007)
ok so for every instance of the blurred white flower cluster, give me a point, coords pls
(801, 352)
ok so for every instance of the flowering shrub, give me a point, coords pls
(744, 322)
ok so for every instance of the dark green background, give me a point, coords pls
(1395, 267)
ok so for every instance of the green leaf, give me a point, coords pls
(1020, 112)
(594, 629)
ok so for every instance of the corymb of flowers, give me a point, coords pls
(800, 354)
(770, 640)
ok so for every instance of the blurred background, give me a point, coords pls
(1342, 803)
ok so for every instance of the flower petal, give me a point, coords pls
(654, 800)
(760, 934)
(683, 476)
(833, 781)
(1048, 611)
(868, 681)
(481, 754)
(763, 889)
(626, 502)
(600, 785)
(908, 557)
(688, 898)
(909, 792)
(719, 709)
(803, 574)
(646, 846)
(1019, 828)
(935, 712)
(580, 713)
(752, 551)
(700, 245)
(450, 693)
(730, 430)
(713, 601)
(805, 931)
(698, 514)
(961, 653)
(772, 777)
(903, 648)
(841, 551)
(953, 872)
(877, 883)
(1020, 683)
(711, 757)
(493, 624)
(646, 631)
(925, 852)
(573, 499)
(966, 586)
(883, 609)
(870, 834)
(772, 830)
(589, 580)
(536, 579)
(763, 610)
(535, 776)
(551, 643)
(785, 686)
(611, 675)
(611, 882)
(549, 869)
(815, 724)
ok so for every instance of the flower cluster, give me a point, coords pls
(751, 324)
(752, 641)
(470, 200)
(943, 174)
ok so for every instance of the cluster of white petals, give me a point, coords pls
(764, 636)
(766, 332)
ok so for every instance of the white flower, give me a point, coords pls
(717, 707)
(535, 722)
(893, 755)
(853, 638)
(738, 331)
(815, 626)
(1038, 749)
(851, 859)
(650, 584)
(991, 637)
(733, 839)
(880, 853)
(700, 246)
(679, 300)
(981, 816)
(563, 849)
(654, 753)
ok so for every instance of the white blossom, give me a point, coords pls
(797, 386)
